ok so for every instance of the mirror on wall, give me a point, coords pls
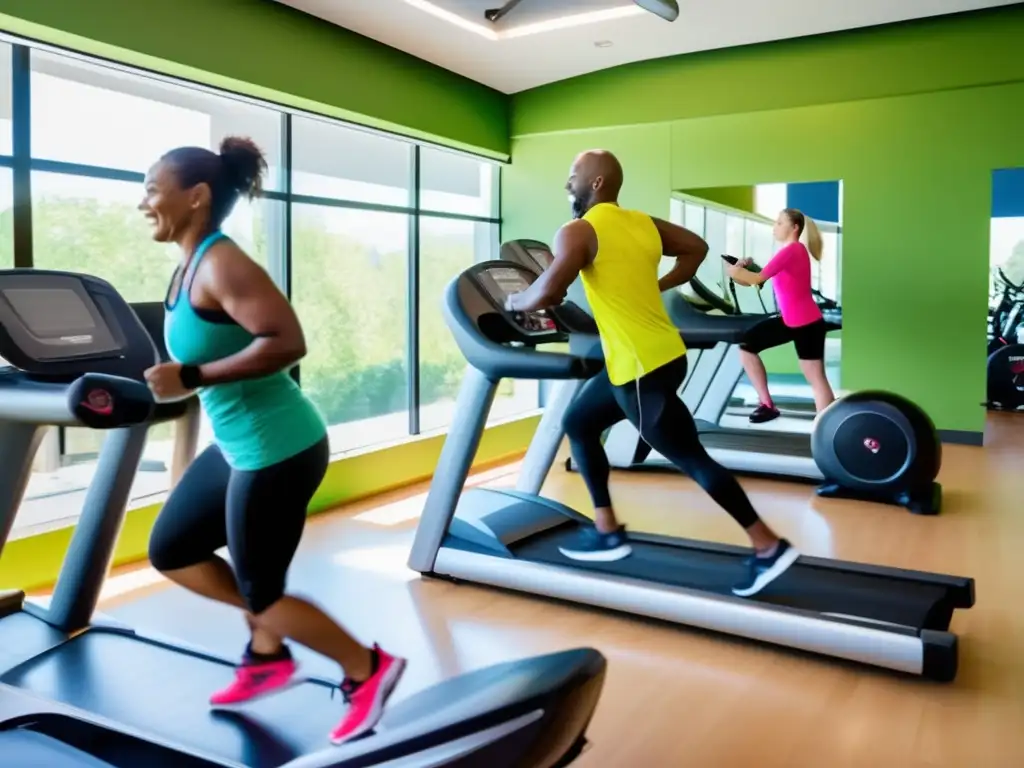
(738, 221)
(1005, 327)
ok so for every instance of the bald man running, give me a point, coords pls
(617, 252)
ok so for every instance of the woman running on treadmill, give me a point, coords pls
(233, 337)
(616, 252)
(800, 322)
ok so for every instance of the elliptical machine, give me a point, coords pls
(1005, 367)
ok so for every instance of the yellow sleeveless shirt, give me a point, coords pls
(621, 284)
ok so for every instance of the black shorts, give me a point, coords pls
(809, 339)
(259, 515)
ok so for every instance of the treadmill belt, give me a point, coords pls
(759, 441)
(822, 590)
(165, 692)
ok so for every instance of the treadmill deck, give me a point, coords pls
(839, 594)
(795, 444)
(144, 685)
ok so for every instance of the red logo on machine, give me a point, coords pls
(99, 401)
(872, 445)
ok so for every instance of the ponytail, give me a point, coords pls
(236, 172)
(807, 231)
(812, 238)
(244, 166)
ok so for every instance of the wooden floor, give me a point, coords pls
(675, 697)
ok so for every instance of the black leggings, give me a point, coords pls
(667, 427)
(259, 515)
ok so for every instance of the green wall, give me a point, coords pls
(913, 118)
(740, 198)
(271, 51)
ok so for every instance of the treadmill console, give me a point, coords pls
(499, 281)
(537, 256)
(503, 344)
(530, 253)
(59, 325)
(76, 353)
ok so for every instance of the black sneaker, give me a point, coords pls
(764, 413)
(595, 546)
(762, 571)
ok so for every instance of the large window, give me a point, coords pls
(332, 161)
(6, 132)
(457, 184)
(343, 229)
(447, 246)
(349, 288)
(453, 185)
(6, 150)
(6, 219)
(101, 116)
(90, 225)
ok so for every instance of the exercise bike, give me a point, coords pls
(1005, 367)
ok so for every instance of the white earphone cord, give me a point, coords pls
(638, 372)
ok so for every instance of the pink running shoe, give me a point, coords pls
(366, 702)
(256, 680)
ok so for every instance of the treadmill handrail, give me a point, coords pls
(700, 327)
(498, 361)
(26, 399)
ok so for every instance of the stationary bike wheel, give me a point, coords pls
(876, 442)
(1006, 377)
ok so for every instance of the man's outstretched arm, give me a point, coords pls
(574, 248)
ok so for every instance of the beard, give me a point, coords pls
(579, 204)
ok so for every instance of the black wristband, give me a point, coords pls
(191, 377)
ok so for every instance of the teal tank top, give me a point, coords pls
(256, 422)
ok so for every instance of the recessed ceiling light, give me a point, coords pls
(603, 44)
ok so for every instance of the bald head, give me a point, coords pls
(601, 168)
(595, 177)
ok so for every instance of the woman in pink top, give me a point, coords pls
(800, 322)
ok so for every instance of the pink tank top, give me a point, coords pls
(790, 273)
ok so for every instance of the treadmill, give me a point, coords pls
(69, 693)
(886, 617)
(713, 375)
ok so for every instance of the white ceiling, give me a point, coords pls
(514, 63)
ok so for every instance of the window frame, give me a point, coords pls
(280, 258)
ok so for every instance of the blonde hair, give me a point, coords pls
(807, 231)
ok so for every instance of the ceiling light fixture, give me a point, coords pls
(566, 22)
(576, 20)
(454, 18)
(603, 44)
(494, 15)
(667, 9)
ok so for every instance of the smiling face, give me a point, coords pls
(581, 186)
(171, 209)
